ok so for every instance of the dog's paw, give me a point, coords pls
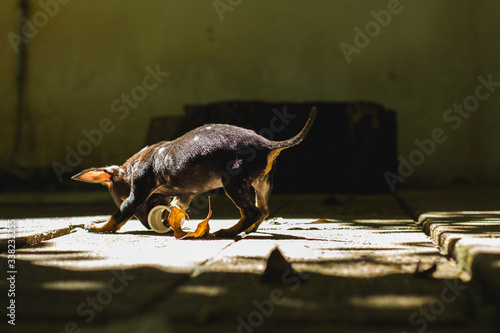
(91, 227)
(94, 228)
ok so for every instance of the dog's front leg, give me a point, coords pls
(115, 222)
(127, 210)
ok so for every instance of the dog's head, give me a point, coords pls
(115, 178)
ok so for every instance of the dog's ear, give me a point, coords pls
(99, 175)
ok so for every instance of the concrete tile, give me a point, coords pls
(331, 300)
(357, 274)
(134, 246)
(84, 297)
(466, 226)
(33, 231)
(89, 278)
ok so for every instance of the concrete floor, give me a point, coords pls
(347, 264)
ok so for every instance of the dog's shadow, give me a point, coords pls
(254, 235)
(145, 233)
(261, 235)
(169, 234)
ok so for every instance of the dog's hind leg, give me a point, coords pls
(240, 191)
(263, 189)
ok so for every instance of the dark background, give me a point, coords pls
(383, 74)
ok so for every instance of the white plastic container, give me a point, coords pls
(155, 219)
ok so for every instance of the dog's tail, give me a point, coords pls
(299, 137)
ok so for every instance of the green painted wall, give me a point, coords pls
(88, 55)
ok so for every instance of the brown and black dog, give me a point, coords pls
(239, 160)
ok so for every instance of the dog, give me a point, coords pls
(212, 156)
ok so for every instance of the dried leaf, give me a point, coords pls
(203, 229)
(333, 201)
(323, 221)
(420, 272)
(278, 269)
(174, 219)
